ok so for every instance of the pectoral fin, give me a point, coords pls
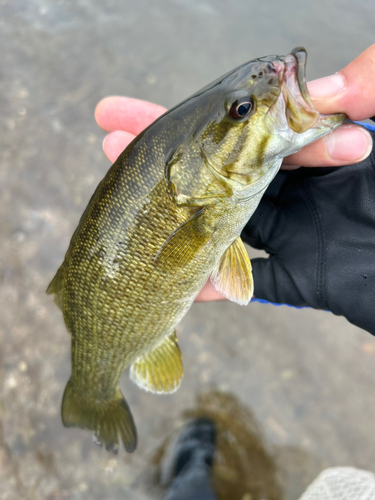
(160, 370)
(183, 244)
(232, 276)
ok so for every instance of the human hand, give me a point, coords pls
(125, 117)
(318, 224)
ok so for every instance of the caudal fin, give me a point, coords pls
(108, 419)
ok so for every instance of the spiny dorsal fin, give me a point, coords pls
(232, 276)
(55, 287)
(160, 370)
(182, 245)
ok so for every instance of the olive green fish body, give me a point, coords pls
(116, 300)
(168, 216)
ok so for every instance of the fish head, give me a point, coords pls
(255, 116)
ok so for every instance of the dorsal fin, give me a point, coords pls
(55, 287)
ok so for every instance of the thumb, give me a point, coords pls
(350, 91)
(273, 282)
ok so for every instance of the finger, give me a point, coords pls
(124, 113)
(346, 145)
(349, 91)
(209, 293)
(115, 143)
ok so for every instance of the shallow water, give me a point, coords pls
(303, 379)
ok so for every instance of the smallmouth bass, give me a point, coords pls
(166, 217)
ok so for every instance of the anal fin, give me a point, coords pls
(232, 277)
(160, 370)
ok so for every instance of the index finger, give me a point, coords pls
(124, 113)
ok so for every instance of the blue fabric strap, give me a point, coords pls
(367, 125)
(263, 301)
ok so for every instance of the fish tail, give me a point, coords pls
(108, 419)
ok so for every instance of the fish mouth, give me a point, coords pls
(300, 55)
(300, 112)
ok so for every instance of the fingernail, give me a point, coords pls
(325, 87)
(349, 143)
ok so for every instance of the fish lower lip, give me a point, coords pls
(301, 57)
(300, 112)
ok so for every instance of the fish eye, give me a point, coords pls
(241, 108)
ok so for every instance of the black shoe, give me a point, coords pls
(195, 446)
(191, 461)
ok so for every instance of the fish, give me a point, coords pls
(167, 217)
